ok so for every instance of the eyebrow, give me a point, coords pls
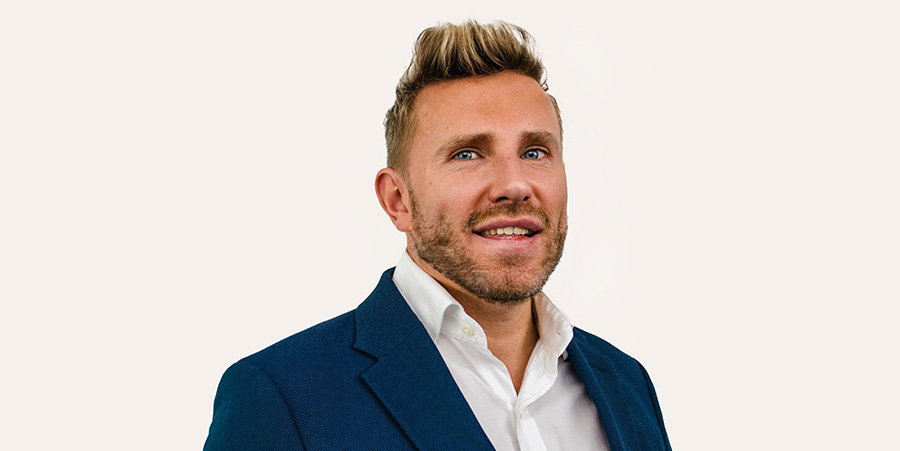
(480, 139)
(473, 140)
(541, 137)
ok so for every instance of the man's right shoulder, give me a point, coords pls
(330, 347)
(318, 347)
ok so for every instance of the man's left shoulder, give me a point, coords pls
(624, 383)
(600, 352)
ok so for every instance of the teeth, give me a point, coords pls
(507, 231)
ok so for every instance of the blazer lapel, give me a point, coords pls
(603, 386)
(410, 378)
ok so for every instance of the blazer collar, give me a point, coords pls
(409, 377)
(603, 385)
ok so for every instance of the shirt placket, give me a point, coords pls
(538, 379)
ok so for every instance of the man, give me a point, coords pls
(456, 348)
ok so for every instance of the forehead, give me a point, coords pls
(507, 104)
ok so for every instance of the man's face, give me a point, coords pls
(487, 186)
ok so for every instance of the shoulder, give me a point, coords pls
(626, 377)
(602, 355)
(596, 346)
(303, 371)
(332, 352)
(322, 346)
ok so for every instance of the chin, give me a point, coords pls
(512, 284)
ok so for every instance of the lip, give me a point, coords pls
(529, 223)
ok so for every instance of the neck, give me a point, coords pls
(510, 329)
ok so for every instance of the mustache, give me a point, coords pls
(519, 209)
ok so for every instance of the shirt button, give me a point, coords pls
(468, 331)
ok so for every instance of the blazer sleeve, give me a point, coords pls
(656, 409)
(249, 413)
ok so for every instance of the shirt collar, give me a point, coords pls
(425, 296)
(431, 303)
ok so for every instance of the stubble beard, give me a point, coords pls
(499, 280)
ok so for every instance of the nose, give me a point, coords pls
(509, 183)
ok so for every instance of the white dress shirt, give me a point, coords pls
(552, 410)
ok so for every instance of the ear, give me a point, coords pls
(392, 195)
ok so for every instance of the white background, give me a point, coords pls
(185, 182)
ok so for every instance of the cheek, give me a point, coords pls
(459, 193)
(431, 206)
(555, 193)
(564, 197)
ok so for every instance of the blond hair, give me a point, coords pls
(448, 52)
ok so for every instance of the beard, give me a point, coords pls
(499, 279)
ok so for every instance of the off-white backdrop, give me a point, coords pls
(185, 182)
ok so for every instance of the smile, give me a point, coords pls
(507, 231)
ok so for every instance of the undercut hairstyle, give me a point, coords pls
(449, 52)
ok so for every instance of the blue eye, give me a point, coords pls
(465, 155)
(533, 154)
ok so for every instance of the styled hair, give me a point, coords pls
(448, 52)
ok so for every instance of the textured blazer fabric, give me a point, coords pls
(372, 379)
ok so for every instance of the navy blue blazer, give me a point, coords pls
(372, 379)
